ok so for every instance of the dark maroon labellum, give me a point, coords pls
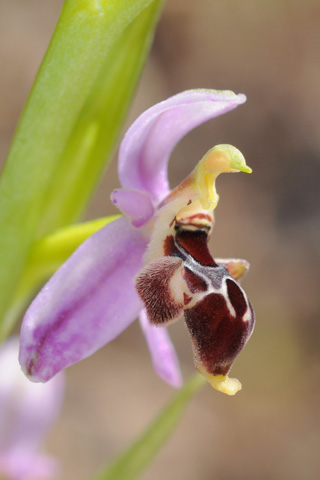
(217, 312)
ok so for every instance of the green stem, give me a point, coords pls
(133, 461)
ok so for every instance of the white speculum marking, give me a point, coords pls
(180, 286)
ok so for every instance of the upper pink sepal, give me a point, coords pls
(146, 148)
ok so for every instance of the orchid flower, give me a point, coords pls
(27, 411)
(153, 262)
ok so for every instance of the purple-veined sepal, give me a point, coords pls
(82, 306)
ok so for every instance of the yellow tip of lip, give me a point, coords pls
(222, 383)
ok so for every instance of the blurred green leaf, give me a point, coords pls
(50, 252)
(46, 256)
(130, 464)
(93, 135)
(70, 123)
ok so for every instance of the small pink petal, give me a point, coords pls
(146, 148)
(162, 351)
(86, 304)
(135, 204)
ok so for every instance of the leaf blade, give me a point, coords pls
(85, 33)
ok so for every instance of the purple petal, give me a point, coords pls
(146, 147)
(27, 412)
(135, 204)
(163, 354)
(24, 465)
(86, 304)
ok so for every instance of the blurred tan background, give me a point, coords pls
(271, 52)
